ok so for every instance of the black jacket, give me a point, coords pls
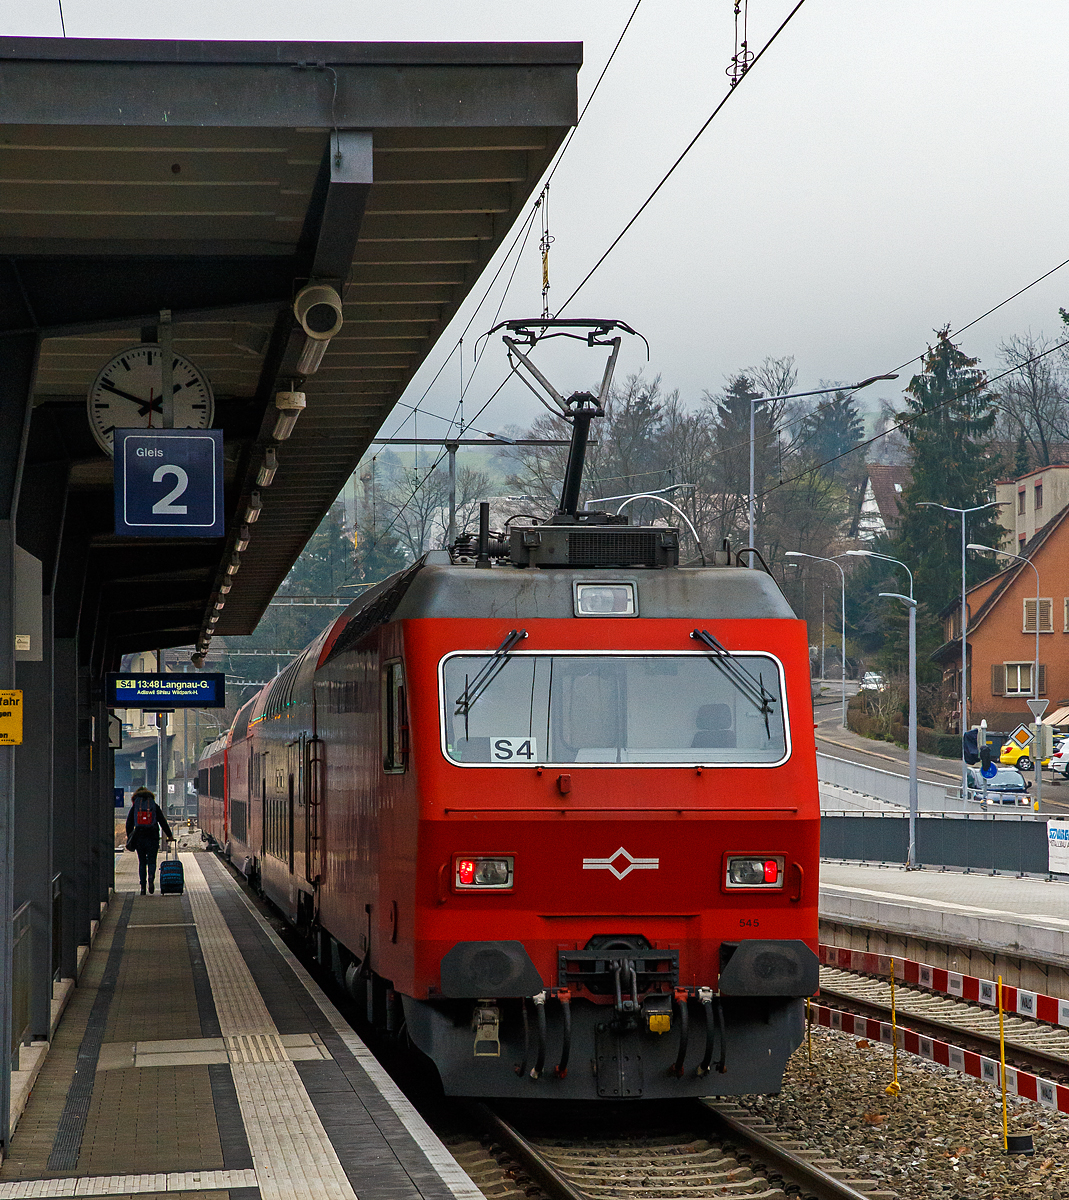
(146, 835)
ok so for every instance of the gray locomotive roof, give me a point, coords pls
(526, 593)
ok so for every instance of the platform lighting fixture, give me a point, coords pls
(319, 311)
(213, 618)
(225, 587)
(243, 539)
(234, 565)
(198, 661)
(266, 474)
(252, 510)
(290, 405)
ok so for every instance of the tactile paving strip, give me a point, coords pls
(127, 1185)
(293, 1157)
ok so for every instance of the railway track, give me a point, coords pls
(1030, 1045)
(713, 1150)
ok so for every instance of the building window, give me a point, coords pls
(1039, 496)
(1046, 616)
(1020, 502)
(1065, 626)
(1015, 679)
(1018, 679)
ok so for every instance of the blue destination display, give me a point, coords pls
(156, 692)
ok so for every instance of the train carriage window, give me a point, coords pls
(614, 708)
(394, 718)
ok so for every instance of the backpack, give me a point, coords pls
(144, 812)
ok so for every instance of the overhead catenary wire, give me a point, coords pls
(683, 154)
(558, 157)
(524, 232)
(907, 421)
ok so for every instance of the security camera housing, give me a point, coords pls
(318, 308)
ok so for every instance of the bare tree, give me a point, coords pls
(1032, 401)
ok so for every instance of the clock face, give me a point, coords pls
(127, 395)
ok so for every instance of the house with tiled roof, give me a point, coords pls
(880, 511)
(1002, 614)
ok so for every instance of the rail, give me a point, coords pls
(778, 1161)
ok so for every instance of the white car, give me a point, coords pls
(1059, 760)
(872, 681)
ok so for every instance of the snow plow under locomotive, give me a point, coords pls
(548, 805)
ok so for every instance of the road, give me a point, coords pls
(844, 743)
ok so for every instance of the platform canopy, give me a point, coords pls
(213, 181)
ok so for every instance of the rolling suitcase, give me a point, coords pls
(172, 875)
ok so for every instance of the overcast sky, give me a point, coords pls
(886, 169)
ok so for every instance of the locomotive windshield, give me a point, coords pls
(633, 709)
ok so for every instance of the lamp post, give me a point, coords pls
(963, 513)
(1035, 667)
(842, 611)
(911, 604)
(755, 400)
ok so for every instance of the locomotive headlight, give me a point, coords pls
(605, 600)
(484, 872)
(754, 871)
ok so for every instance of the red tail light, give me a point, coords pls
(490, 872)
(771, 870)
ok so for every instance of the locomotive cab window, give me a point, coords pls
(626, 709)
(394, 718)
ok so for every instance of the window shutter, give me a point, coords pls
(1029, 616)
(998, 679)
(1042, 679)
(1046, 616)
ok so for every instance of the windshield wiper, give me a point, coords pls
(490, 671)
(749, 688)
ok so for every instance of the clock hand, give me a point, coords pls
(108, 386)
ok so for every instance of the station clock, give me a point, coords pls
(127, 394)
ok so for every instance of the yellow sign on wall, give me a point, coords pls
(11, 718)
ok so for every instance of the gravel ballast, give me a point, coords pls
(942, 1136)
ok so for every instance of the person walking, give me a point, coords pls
(143, 825)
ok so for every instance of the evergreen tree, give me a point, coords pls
(950, 417)
(731, 442)
(831, 430)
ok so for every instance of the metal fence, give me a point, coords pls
(886, 785)
(995, 842)
(21, 978)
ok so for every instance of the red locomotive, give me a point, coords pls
(550, 804)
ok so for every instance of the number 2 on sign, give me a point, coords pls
(508, 749)
(167, 503)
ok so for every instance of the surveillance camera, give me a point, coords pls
(318, 308)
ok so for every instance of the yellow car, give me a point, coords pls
(1020, 757)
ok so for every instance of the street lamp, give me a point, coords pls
(911, 604)
(838, 566)
(963, 512)
(755, 400)
(1035, 668)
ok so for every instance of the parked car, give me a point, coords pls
(1059, 760)
(1007, 786)
(1012, 755)
(872, 681)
